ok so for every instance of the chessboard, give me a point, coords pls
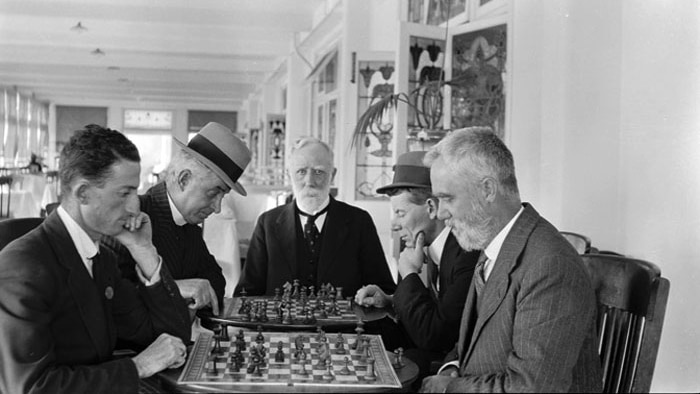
(293, 309)
(290, 359)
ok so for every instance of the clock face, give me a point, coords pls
(146, 119)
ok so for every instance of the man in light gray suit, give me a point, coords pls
(530, 316)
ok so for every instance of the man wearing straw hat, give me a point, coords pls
(430, 315)
(195, 181)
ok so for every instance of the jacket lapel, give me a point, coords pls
(80, 283)
(335, 230)
(451, 255)
(286, 225)
(497, 284)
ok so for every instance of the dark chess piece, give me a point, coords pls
(340, 344)
(213, 370)
(260, 338)
(280, 313)
(263, 317)
(279, 355)
(338, 293)
(350, 303)
(241, 310)
(217, 346)
(224, 333)
(312, 295)
(345, 370)
(322, 310)
(240, 340)
(359, 330)
(235, 364)
(398, 358)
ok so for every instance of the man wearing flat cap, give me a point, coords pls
(429, 314)
(195, 181)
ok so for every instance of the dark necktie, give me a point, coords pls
(311, 232)
(479, 281)
(433, 275)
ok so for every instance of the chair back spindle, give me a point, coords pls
(632, 299)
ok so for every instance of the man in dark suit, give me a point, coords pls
(430, 315)
(195, 181)
(529, 322)
(314, 238)
(63, 302)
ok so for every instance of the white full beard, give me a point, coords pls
(311, 203)
(473, 231)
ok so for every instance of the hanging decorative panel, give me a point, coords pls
(478, 77)
(276, 128)
(426, 92)
(374, 153)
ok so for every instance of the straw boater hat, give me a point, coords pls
(409, 171)
(218, 149)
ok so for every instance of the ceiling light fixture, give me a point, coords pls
(79, 28)
(98, 52)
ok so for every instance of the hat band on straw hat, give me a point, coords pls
(207, 149)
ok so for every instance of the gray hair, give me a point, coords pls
(183, 160)
(306, 141)
(477, 152)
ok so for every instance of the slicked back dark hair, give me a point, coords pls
(91, 152)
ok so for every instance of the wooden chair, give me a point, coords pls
(11, 229)
(5, 191)
(580, 242)
(632, 299)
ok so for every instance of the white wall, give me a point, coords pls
(605, 130)
(660, 169)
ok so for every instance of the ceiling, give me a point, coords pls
(199, 53)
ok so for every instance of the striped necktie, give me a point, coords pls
(479, 281)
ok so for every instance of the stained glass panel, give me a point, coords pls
(478, 78)
(374, 155)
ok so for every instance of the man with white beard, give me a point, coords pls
(529, 322)
(314, 238)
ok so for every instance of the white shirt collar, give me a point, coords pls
(87, 248)
(319, 220)
(177, 216)
(436, 247)
(494, 248)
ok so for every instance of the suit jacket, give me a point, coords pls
(182, 248)
(536, 326)
(433, 324)
(351, 255)
(59, 326)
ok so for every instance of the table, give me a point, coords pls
(168, 381)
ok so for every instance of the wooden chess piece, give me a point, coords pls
(345, 370)
(279, 356)
(329, 370)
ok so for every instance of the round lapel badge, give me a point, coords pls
(109, 292)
